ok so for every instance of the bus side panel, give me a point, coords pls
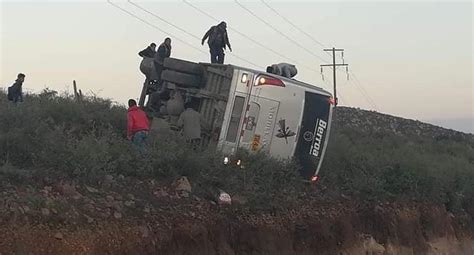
(278, 120)
(313, 133)
(263, 126)
(238, 90)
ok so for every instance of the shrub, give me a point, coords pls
(55, 136)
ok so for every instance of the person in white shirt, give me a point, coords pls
(190, 121)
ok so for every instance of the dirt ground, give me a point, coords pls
(88, 220)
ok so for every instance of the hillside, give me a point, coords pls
(71, 183)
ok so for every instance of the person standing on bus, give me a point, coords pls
(164, 51)
(148, 52)
(217, 39)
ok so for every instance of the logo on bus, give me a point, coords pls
(308, 136)
(284, 131)
(319, 131)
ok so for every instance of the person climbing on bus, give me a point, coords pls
(283, 69)
(217, 39)
(157, 100)
(148, 52)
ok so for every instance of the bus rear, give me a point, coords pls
(314, 133)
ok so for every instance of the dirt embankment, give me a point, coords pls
(199, 227)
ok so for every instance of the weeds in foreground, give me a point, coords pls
(56, 137)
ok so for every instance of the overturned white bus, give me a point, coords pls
(257, 111)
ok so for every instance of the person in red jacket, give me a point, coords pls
(138, 124)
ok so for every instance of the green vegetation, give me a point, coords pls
(389, 166)
(58, 138)
(55, 137)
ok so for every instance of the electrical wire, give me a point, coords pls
(188, 33)
(293, 25)
(358, 84)
(156, 27)
(278, 31)
(164, 20)
(249, 38)
(174, 37)
(363, 91)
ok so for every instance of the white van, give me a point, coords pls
(258, 111)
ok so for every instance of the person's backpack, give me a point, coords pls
(10, 93)
(216, 38)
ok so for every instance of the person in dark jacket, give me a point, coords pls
(217, 39)
(164, 51)
(138, 124)
(157, 100)
(149, 52)
(15, 91)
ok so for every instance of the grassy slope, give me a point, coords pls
(54, 137)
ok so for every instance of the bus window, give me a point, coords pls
(235, 119)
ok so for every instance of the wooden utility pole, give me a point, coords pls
(75, 89)
(77, 95)
(334, 65)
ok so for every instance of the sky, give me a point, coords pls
(412, 59)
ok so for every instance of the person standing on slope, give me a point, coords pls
(15, 91)
(217, 39)
(190, 121)
(138, 124)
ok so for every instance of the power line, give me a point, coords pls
(210, 16)
(248, 37)
(156, 27)
(163, 20)
(175, 37)
(293, 25)
(364, 91)
(358, 84)
(237, 31)
(185, 31)
(278, 31)
(361, 88)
